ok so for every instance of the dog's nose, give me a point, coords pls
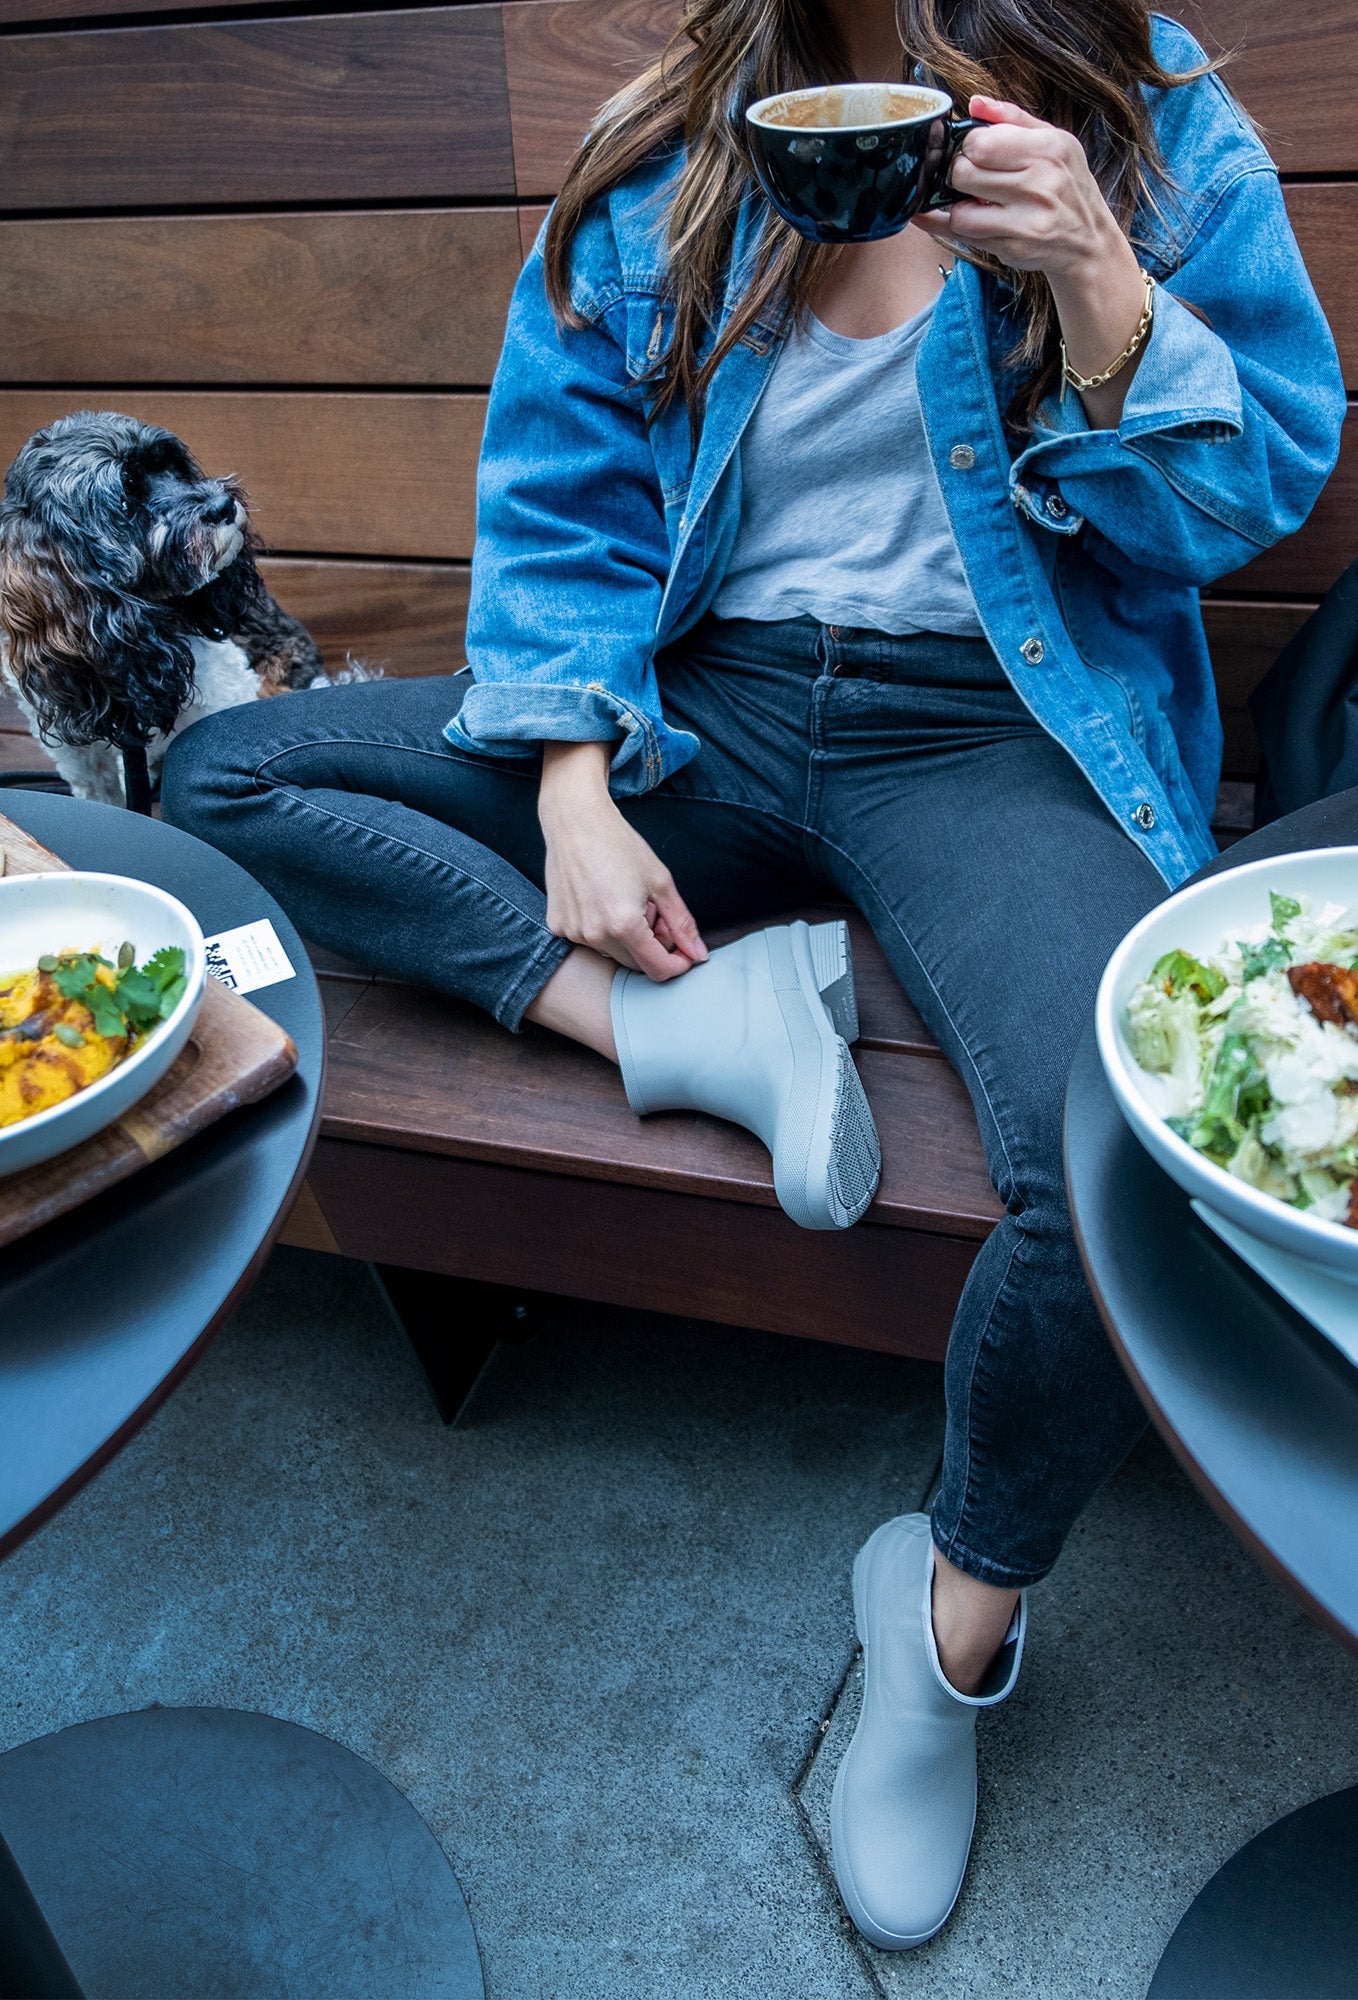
(220, 511)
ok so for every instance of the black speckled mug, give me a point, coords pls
(850, 162)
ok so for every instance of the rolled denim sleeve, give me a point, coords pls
(1231, 424)
(572, 550)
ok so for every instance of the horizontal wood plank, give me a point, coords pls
(886, 1018)
(1246, 638)
(352, 474)
(1307, 563)
(742, 1265)
(413, 102)
(405, 298)
(367, 474)
(563, 58)
(1295, 69)
(1296, 72)
(532, 215)
(18, 13)
(1324, 215)
(367, 107)
(445, 1079)
(407, 619)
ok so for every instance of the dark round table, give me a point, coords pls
(1261, 1410)
(187, 1851)
(107, 1308)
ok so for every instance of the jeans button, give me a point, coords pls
(1144, 816)
(1033, 651)
(834, 631)
(961, 458)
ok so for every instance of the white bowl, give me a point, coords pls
(1197, 919)
(84, 912)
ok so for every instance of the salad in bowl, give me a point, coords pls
(1228, 1028)
(101, 978)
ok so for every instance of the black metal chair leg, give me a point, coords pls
(136, 778)
(454, 1325)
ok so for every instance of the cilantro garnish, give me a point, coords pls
(127, 998)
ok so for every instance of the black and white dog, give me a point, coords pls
(130, 603)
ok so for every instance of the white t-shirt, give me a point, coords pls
(841, 516)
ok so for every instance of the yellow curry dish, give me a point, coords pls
(73, 1017)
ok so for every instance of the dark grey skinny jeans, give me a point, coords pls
(903, 773)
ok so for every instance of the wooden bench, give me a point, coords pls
(293, 239)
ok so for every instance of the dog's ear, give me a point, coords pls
(93, 666)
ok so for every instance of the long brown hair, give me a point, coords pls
(1075, 63)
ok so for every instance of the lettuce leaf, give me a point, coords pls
(1178, 973)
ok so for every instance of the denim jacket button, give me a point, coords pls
(1144, 816)
(1033, 651)
(1057, 507)
(961, 458)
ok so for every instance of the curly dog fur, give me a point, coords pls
(130, 600)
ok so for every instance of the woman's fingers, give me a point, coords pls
(999, 111)
(976, 223)
(607, 889)
(673, 913)
(649, 955)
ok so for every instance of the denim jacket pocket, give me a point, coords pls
(647, 322)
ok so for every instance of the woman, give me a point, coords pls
(874, 569)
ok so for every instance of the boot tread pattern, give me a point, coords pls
(855, 1155)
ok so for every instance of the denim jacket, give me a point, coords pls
(603, 536)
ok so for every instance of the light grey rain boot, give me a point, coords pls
(759, 1034)
(904, 1801)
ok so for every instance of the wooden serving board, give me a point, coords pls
(234, 1056)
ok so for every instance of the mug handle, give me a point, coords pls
(955, 131)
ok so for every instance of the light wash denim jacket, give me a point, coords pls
(602, 539)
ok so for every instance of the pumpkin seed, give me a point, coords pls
(47, 963)
(72, 1037)
(127, 955)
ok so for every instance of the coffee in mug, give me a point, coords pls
(852, 162)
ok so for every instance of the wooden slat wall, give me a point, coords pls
(293, 239)
(348, 107)
(401, 298)
(341, 470)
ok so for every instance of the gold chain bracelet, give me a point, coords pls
(1134, 346)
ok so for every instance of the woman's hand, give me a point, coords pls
(605, 887)
(1036, 206)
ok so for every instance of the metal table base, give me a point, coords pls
(211, 1853)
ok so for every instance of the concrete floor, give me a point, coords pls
(596, 1632)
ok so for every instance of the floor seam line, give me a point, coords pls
(819, 1858)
